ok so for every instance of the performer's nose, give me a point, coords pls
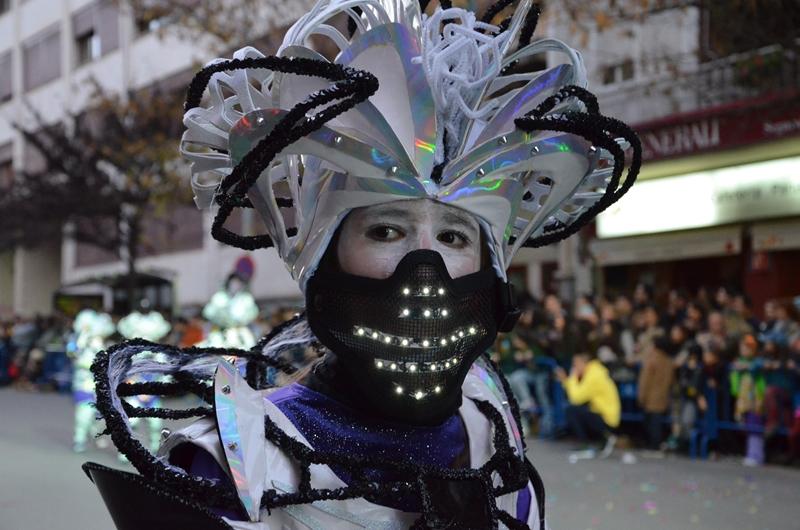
(425, 239)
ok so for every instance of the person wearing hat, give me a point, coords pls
(396, 180)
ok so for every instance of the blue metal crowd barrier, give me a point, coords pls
(57, 370)
(717, 417)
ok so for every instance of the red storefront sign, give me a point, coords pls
(724, 127)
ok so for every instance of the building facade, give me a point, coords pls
(716, 202)
(718, 199)
(51, 53)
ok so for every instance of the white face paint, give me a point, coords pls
(374, 239)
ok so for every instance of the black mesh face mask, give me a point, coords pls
(407, 342)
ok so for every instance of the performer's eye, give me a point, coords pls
(453, 239)
(384, 233)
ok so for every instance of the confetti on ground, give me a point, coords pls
(650, 507)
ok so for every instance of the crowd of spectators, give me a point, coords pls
(26, 344)
(674, 354)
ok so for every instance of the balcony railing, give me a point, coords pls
(737, 77)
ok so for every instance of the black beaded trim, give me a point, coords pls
(157, 388)
(350, 87)
(596, 128)
(197, 489)
(494, 9)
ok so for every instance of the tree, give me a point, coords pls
(223, 24)
(103, 173)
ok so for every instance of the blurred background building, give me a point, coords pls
(51, 54)
(711, 86)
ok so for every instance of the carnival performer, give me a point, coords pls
(150, 325)
(91, 331)
(396, 181)
(231, 310)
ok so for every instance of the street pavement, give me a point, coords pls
(42, 486)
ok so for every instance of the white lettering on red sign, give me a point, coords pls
(681, 139)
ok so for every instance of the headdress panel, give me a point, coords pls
(412, 106)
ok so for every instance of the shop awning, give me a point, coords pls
(667, 247)
(776, 236)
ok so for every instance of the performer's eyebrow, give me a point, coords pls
(449, 216)
(392, 211)
(455, 218)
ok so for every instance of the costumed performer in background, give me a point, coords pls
(91, 333)
(231, 310)
(150, 325)
(396, 182)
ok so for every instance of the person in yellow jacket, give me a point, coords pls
(594, 407)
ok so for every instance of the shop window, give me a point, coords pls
(41, 57)
(6, 86)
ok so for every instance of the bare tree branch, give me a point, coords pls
(102, 173)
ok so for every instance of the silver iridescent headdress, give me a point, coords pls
(412, 106)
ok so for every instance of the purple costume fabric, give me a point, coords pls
(332, 427)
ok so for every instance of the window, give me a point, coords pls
(180, 229)
(626, 69)
(6, 165)
(6, 86)
(41, 57)
(149, 19)
(87, 47)
(95, 31)
(609, 74)
(615, 73)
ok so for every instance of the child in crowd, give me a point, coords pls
(655, 381)
(748, 387)
(713, 379)
(686, 393)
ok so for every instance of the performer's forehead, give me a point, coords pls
(416, 209)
